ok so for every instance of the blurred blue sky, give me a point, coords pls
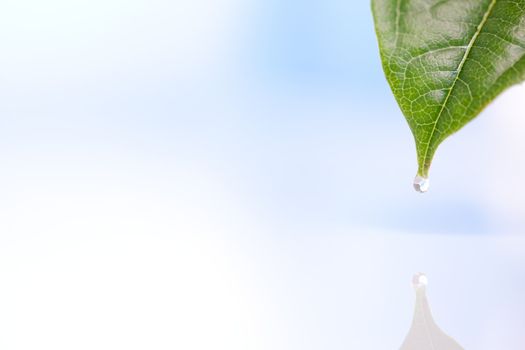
(330, 46)
(285, 99)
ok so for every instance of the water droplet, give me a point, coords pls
(419, 280)
(421, 184)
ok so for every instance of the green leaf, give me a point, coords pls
(445, 60)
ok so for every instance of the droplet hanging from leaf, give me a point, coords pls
(445, 60)
(421, 184)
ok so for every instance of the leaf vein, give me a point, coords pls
(459, 70)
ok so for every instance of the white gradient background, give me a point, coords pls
(236, 175)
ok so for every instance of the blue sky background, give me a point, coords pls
(242, 163)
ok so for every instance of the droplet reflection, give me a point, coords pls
(419, 280)
(424, 334)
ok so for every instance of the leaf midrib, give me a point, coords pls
(459, 70)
